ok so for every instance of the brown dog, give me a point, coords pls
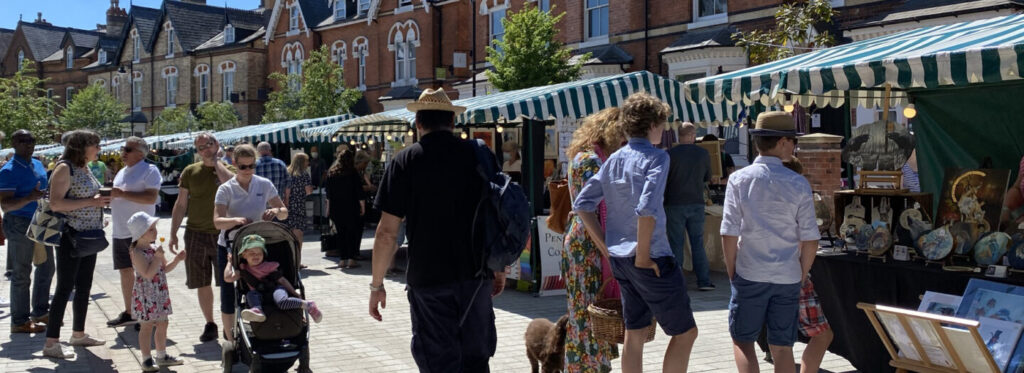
(545, 344)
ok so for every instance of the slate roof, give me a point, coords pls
(146, 20)
(609, 54)
(42, 40)
(195, 24)
(242, 36)
(83, 38)
(5, 40)
(402, 93)
(351, 14)
(315, 12)
(910, 10)
(702, 38)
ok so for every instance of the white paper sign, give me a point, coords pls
(551, 280)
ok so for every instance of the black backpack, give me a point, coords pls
(502, 217)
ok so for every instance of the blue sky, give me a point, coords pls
(83, 14)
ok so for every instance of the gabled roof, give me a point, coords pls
(146, 21)
(195, 24)
(609, 54)
(108, 44)
(702, 38)
(82, 40)
(351, 13)
(242, 36)
(42, 39)
(5, 40)
(313, 12)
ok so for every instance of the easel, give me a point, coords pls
(958, 339)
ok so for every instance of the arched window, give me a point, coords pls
(203, 73)
(169, 29)
(403, 38)
(136, 45)
(339, 52)
(361, 49)
(69, 56)
(170, 75)
(137, 91)
(227, 78)
(291, 60)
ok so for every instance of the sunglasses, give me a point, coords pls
(245, 166)
(205, 146)
(126, 149)
(25, 140)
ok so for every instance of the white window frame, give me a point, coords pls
(204, 87)
(293, 18)
(137, 91)
(102, 83)
(401, 48)
(102, 56)
(362, 7)
(360, 50)
(229, 34)
(227, 79)
(21, 59)
(68, 92)
(586, 22)
(711, 20)
(404, 6)
(171, 82)
(491, 23)
(69, 55)
(136, 46)
(170, 43)
(114, 85)
(340, 10)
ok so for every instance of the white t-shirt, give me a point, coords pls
(245, 204)
(138, 178)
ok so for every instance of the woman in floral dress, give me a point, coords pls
(299, 186)
(583, 267)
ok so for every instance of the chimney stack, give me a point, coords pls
(116, 19)
(40, 20)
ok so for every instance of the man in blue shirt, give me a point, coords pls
(22, 183)
(632, 184)
(271, 168)
(769, 238)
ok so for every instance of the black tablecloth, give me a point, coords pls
(842, 281)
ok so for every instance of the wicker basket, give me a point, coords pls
(607, 324)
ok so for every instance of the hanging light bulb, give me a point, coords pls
(370, 141)
(501, 129)
(410, 133)
(788, 108)
(352, 142)
(334, 138)
(465, 136)
(388, 137)
(910, 111)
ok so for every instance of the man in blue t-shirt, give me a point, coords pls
(22, 183)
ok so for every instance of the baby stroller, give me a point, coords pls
(275, 344)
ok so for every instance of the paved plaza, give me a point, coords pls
(347, 340)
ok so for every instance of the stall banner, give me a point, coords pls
(550, 242)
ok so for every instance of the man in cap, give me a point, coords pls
(769, 238)
(435, 186)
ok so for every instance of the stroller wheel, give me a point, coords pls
(227, 356)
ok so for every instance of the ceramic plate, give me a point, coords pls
(962, 241)
(935, 244)
(881, 241)
(863, 237)
(991, 247)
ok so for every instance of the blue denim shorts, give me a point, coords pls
(754, 304)
(645, 295)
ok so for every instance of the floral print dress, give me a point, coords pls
(297, 201)
(151, 300)
(581, 266)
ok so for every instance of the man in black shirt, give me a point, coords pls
(435, 186)
(689, 170)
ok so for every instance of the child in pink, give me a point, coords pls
(263, 278)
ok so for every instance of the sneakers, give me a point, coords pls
(57, 351)
(168, 360)
(44, 319)
(209, 332)
(28, 327)
(86, 341)
(314, 311)
(253, 315)
(124, 319)
(708, 287)
(149, 365)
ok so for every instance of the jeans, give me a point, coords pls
(72, 274)
(20, 251)
(227, 290)
(690, 218)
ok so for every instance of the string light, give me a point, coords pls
(334, 138)
(788, 108)
(370, 141)
(910, 111)
(352, 142)
(501, 129)
(410, 133)
(465, 136)
(388, 137)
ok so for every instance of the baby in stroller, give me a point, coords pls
(264, 278)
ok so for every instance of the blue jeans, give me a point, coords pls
(20, 250)
(691, 219)
(227, 291)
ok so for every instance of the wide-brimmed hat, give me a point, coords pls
(775, 123)
(139, 223)
(434, 100)
(253, 241)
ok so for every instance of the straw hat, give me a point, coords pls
(775, 123)
(434, 100)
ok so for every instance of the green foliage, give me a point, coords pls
(319, 92)
(791, 33)
(216, 116)
(174, 120)
(96, 109)
(24, 105)
(530, 55)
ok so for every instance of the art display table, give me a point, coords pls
(842, 281)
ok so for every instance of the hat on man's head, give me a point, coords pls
(253, 241)
(139, 223)
(432, 99)
(775, 123)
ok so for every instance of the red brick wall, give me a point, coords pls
(822, 164)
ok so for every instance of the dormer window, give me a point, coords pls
(363, 7)
(103, 56)
(21, 59)
(229, 34)
(293, 18)
(136, 46)
(339, 9)
(70, 57)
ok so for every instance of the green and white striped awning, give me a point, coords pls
(579, 99)
(983, 51)
(392, 121)
(274, 133)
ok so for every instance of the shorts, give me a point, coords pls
(645, 295)
(122, 253)
(200, 259)
(755, 303)
(812, 318)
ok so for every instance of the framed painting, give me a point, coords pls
(715, 152)
(939, 303)
(995, 300)
(550, 143)
(485, 134)
(973, 196)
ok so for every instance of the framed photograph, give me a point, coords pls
(486, 134)
(999, 301)
(1000, 337)
(550, 143)
(513, 134)
(715, 152)
(939, 303)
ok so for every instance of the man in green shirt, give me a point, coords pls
(196, 191)
(99, 170)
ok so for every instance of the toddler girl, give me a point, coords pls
(264, 278)
(151, 303)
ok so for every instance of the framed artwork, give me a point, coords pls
(974, 197)
(899, 335)
(939, 303)
(550, 143)
(968, 349)
(930, 342)
(999, 301)
(715, 153)
(512, 134)
(486, 134)
(1000, 337)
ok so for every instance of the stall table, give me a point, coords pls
(842, 281)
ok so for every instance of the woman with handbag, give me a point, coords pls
(346, 206)
(74, 191)
(585, 270)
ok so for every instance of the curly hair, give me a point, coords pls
(642, 111)
(603, 128)
(75, 143)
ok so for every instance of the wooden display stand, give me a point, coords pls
(924, 342)
(899, 202)
(893, 178)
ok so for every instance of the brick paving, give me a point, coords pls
(347, 340)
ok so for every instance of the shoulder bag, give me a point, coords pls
(561, 205)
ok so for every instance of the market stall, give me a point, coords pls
(963, 83)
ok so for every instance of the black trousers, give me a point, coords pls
(350, 234)
(439, 343)
(72, 274)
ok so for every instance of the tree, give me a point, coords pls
(319, 92)
(174, 120)
(96, 109)
(216, 116)
(794, 33)
(529, 55)
(24, 105)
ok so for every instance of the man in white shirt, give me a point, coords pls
(136, 187)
